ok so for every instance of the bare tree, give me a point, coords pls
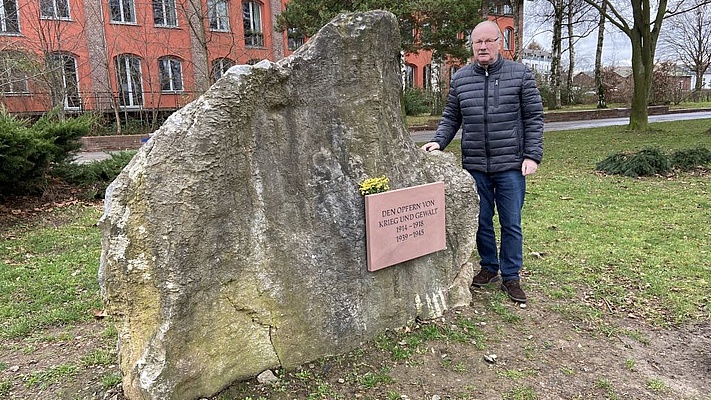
(51, 54)
(643, 31)
(688, 39)
(570, 22)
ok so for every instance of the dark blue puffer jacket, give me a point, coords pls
(501, 116)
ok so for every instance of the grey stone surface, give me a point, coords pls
(234, 241)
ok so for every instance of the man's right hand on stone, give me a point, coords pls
(431, 146)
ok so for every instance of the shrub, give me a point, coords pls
(96, 176)
(647, 162)
(64, 134)
(27, 152)
(24, 158)
(650, 162)
(416, 101)
(687, 160)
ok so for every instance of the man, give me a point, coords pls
(498, 106)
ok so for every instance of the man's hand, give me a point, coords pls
(529, 167)
(431, 146)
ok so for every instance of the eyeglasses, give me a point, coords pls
(488, 42)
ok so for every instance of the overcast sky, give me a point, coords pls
(616, 49)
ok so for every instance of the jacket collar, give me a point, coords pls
(493, 67)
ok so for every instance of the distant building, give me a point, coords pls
(705, 79)
(538, 60)
(133, 56)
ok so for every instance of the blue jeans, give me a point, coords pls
(505, 191)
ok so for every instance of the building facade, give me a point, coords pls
(537, 60)
(124, 55)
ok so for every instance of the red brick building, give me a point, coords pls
(126, 55)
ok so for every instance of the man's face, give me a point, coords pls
(485, 44)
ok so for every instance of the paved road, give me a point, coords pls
(423, 136)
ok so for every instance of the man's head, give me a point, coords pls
(486, 42)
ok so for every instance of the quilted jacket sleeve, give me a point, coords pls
(532, 114)
(451, 118)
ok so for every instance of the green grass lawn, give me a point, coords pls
(640, 247)
(48, 272)
(639, 244)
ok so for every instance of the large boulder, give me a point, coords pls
(234, 241)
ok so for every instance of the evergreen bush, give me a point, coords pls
(24, 158)
(27, 152)
(646, 162)
(416, 101)
(649, 162)
(63, 133)
(94, 177)
(687, 160)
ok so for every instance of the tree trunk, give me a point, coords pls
(642, 71)
(571, 56)
(600, 88)
(517, 32)
(644, 44)
(554, 101)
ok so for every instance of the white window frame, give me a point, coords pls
(5, 14)
(170, 70)
(508, 35)
(70, 80)
(126, 9)
(409, 78)
(165, 13)
(427, 77)
(252, 22)
(218, 15)
(130, 96)
(56, 9)
(220, 66)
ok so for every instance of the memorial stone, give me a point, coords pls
(234, 241)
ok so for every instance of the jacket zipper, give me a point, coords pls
(486, 120)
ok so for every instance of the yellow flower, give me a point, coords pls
(374, 185)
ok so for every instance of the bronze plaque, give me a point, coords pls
(404, 224)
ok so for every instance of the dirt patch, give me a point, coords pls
(539, 354)
(60, 363)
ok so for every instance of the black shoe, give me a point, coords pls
(513, 289)
(485, 277)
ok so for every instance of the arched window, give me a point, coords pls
(129, 81)
(219, 67)
(64, 69)
(427, 77)
(409, 75)
(170, 70)
(508, 39)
